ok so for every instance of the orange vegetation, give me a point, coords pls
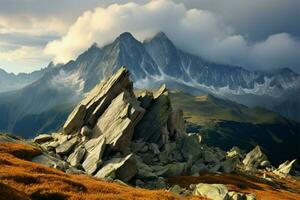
(25, 180)
(278, 189)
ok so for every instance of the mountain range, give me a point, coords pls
(42, 101)
(225, 124)
(11, 81)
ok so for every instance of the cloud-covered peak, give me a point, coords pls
(161, 35)
(197, 31)
(232, 31)
(126, 36)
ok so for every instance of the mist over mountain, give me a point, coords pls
(11, 81)
(151, 63)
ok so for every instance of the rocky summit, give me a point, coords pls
(138, 138)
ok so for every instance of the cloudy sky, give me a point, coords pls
(256, 34)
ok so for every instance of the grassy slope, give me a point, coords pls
(225, 124)
(279, 189)
(204, 109)
(24, 180)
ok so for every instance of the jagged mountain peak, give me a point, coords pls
(161, 35)
(151, 63)
(94, 45)
(162, 40)
(158, 36)
(285, 71)
(126, 38)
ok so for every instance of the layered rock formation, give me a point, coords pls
(140, 138)
(136, 138)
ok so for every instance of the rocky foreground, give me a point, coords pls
(140, 140)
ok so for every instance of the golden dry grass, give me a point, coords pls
(279, 189)
(25, 180)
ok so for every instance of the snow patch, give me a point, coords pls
(72, 81)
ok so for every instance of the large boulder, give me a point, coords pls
(254, 158)
(150, 126)
(66, 146)
(76, 157)
(89, 110)
(240, 196)
(95, 149)
(51, 161)
(119, 168)
(235, 153)
(144, 171)
(176, 169)
(190, 147)
(212, 191)
(42, 138)
(176, 124)
(117, 122)
(286, 168)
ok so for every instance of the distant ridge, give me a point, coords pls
(37, 106)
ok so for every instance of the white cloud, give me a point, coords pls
(22, 41)
(198, 31)
(32, 25)
(102, 25)
(29, 58)
(279, 50)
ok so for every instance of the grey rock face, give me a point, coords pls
(66, 146)
(176, 189)
(286, 168)
(121, 168)
(94, 155)
(117, 122)
(254, 158)
(86, 131)
(152, 122)
(96, 101)
(176, 123)
(212, 191)
(114, 134)
(145, 98)
(235, 153)
(144, 171)
(240, 196)
(176, 169)
(76, 157)
(42, 138)
(189, 147)
(220, 192)
(51, 161)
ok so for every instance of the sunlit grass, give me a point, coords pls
(21, 179)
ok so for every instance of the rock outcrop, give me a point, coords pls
(286, 168)
(135, 138)
(212, 191)
(255, 159)
(220, 192)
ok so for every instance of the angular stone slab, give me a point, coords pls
(94, 156)
(76, 157)
(116, 123)
(97, 100)
(150, 126)
(67, 146)
(118, 168)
